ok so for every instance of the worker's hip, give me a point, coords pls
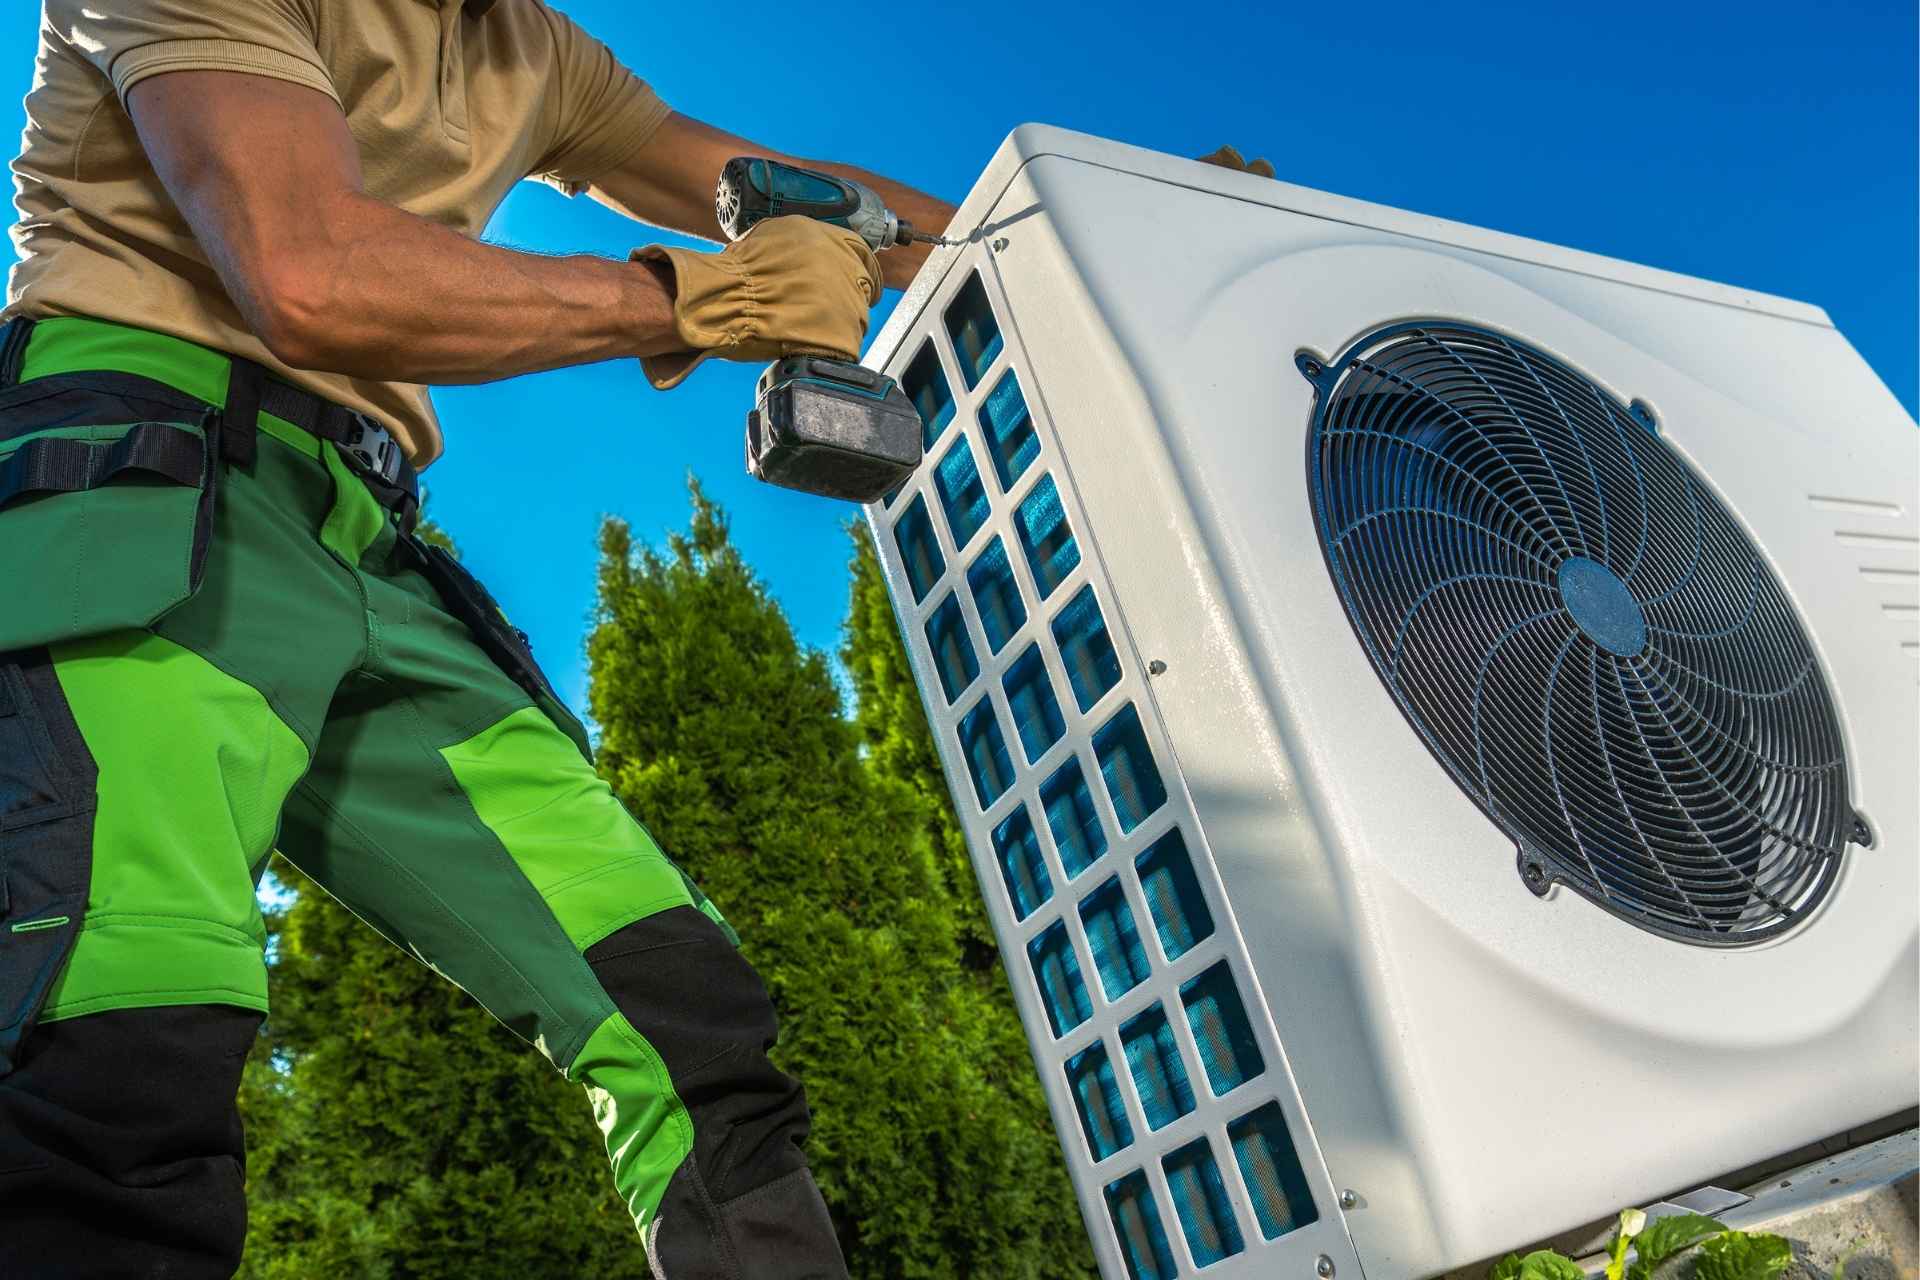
(205, 650)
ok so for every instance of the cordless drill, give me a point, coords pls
(821, 425)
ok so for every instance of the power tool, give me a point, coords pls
(821, 425)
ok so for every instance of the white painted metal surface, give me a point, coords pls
(1478, 1067)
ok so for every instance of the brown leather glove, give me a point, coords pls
(1229, 158)
(791, 286)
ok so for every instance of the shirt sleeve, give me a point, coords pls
(129, 40)
(600, 112)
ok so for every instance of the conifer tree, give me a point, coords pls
(929, 1139)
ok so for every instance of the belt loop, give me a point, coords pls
(240, 420)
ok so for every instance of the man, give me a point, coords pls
(247, 236)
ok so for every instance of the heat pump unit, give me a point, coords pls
(1433, 713)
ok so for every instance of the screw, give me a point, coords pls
(1312, 368)
(999, 244)
(1348, 1199)
(1862, 833)
(1156, 668)
(1323, 1267)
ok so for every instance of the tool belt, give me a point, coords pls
(369, 448)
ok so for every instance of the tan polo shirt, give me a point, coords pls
(451, 102)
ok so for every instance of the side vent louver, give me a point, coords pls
(1161, 1066)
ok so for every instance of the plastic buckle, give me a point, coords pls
(372, 448)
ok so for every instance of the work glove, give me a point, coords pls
(791, 286)
(1229, 158)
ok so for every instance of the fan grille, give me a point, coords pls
(1580, 631)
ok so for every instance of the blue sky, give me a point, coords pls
(1762, 144)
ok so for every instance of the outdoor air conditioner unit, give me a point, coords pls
(1433, 713)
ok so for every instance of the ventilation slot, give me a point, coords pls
(1159, 1077)
(1127, 767)
(1036, 712)
(1271, 1171)
(1008, 428)
(1052, 553)
(1086, 650)
(1118, 957)
(1096, 1095)
(1179, 912)
(925, 383)
(1200, 1203)
(1062, 990)
(918, 550)
(975, 333)
(995, 596)
(957, 480)
(1025, 871)
(1220, 1029)
(1071, 817)
(952, 651)
(986, 752)
(1143, 1241)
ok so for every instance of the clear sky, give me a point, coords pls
(1763, 144)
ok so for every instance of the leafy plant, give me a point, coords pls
(1658, 1247)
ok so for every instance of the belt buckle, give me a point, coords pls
(372, 448)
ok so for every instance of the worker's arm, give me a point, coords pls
(669, 182)
(268, 176)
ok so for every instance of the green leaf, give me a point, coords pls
(1735, 1255)
(1508, 1268)
(1545, 1264)
(1666, 1237)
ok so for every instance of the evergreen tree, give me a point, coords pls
(396, 1131)
(899, 747)
(929, 1141)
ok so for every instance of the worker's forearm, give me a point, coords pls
(379, 293)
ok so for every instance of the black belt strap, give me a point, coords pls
(252, 391)
(54, 464)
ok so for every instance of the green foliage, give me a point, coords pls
(1541, 1264)
(1660, 1247)
(1736, 1255)
(1666, 1238)
(930, 1142)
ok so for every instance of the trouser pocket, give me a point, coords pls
(104, 522)
(463, 596)
(47, 803)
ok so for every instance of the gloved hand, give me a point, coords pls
(1229, 158)
(791, 286)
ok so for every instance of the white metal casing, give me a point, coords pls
(1480, 1068)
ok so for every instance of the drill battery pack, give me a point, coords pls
(832, 428)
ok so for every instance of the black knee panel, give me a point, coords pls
(120, 1145)
(702, 1007)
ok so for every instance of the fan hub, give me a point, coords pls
(1602, 606)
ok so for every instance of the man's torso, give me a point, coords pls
(449, 109)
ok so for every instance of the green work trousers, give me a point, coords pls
(205, 656)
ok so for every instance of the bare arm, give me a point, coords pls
(330, 278)
(669, 182)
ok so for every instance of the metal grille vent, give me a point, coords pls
(1580, 631)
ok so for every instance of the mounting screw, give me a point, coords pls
(1323, 1267)
(1311, 366)
(1156, 668)
(1533, 873)
(999, 243)
(1644, 416)
(1348, 1199)
(1862, 833)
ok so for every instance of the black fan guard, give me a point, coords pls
(1583, 635)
